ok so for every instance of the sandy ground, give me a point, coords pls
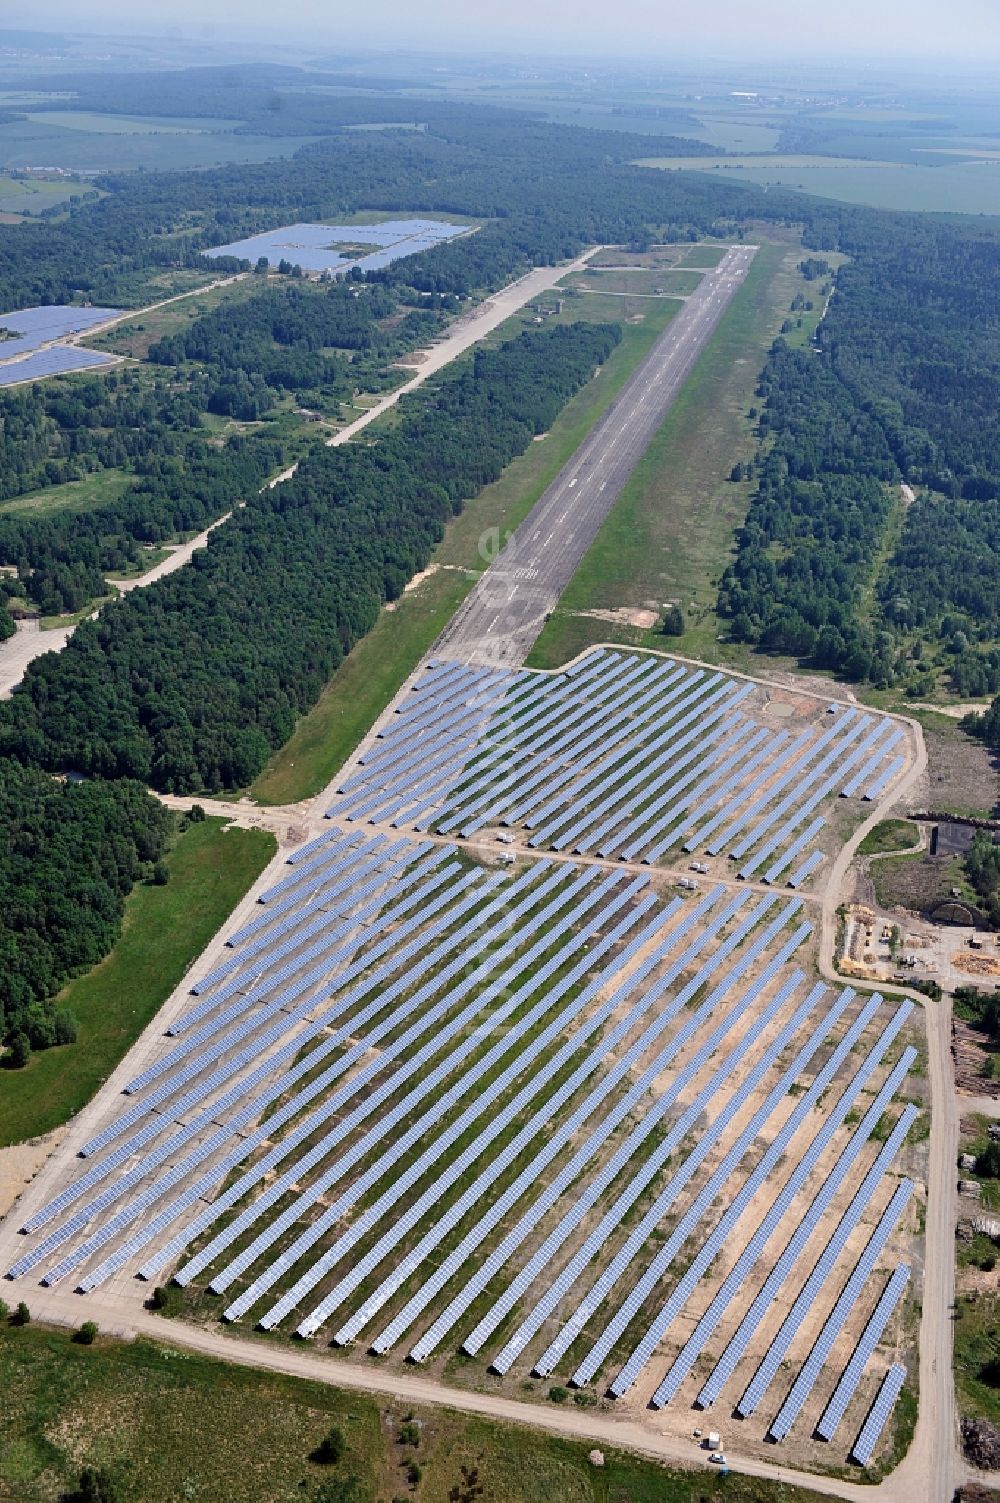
(30, 642)
(956, 712)
(20, 1162)
(624, 615)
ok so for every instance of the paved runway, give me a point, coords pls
(501, 618)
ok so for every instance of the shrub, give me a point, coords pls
(19, 1052)
(21, 1316)
(330, 1449)
(673, 622)
(95, 1486)
(87, 1333)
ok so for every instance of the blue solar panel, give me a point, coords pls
(56, 360)
(879, 1413)
(37, 326)
(309, 245)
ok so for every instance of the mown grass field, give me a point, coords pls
(168, 1426)
(75, 496)
(890, 835)
(211, 867)
(639, 280)
(373, 672)
(670, 534)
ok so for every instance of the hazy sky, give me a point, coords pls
(653, 29)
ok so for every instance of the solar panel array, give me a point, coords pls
(545, 1115)
(878, 1416)
(54, 360)
(422, 1085)
(309, 245)
(37, 326)
(622, 755)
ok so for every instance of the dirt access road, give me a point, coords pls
(30, 642)
(933, 1466)
(307, 1362)
(461, 336)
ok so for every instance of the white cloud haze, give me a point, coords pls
(653, 29)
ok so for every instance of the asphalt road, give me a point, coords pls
(501, 618)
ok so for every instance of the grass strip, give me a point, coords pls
(166, 927)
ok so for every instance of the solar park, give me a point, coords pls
(30, 352)
(480, 1070)
(314, 247)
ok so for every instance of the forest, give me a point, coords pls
(70, 855)
(909, 375)
(282, 340)
(982, 867)
(192, 683)
(546, 191)
(239, 361)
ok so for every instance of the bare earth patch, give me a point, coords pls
(624, 615)
(21, 1162)
(961, 774)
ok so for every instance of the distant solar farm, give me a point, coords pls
(475, 1072)
(31, 351)
(314, 247)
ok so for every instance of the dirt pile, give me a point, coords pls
(981, 1444)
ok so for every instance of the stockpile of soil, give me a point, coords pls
(981, 1444)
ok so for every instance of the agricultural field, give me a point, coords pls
(20, 196)
(88, 142)
(968, 185)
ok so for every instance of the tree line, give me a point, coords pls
(70, 855)
(193, 682)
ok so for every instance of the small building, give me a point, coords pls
(970, 1188)
(967, 1161)
(950, 839)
